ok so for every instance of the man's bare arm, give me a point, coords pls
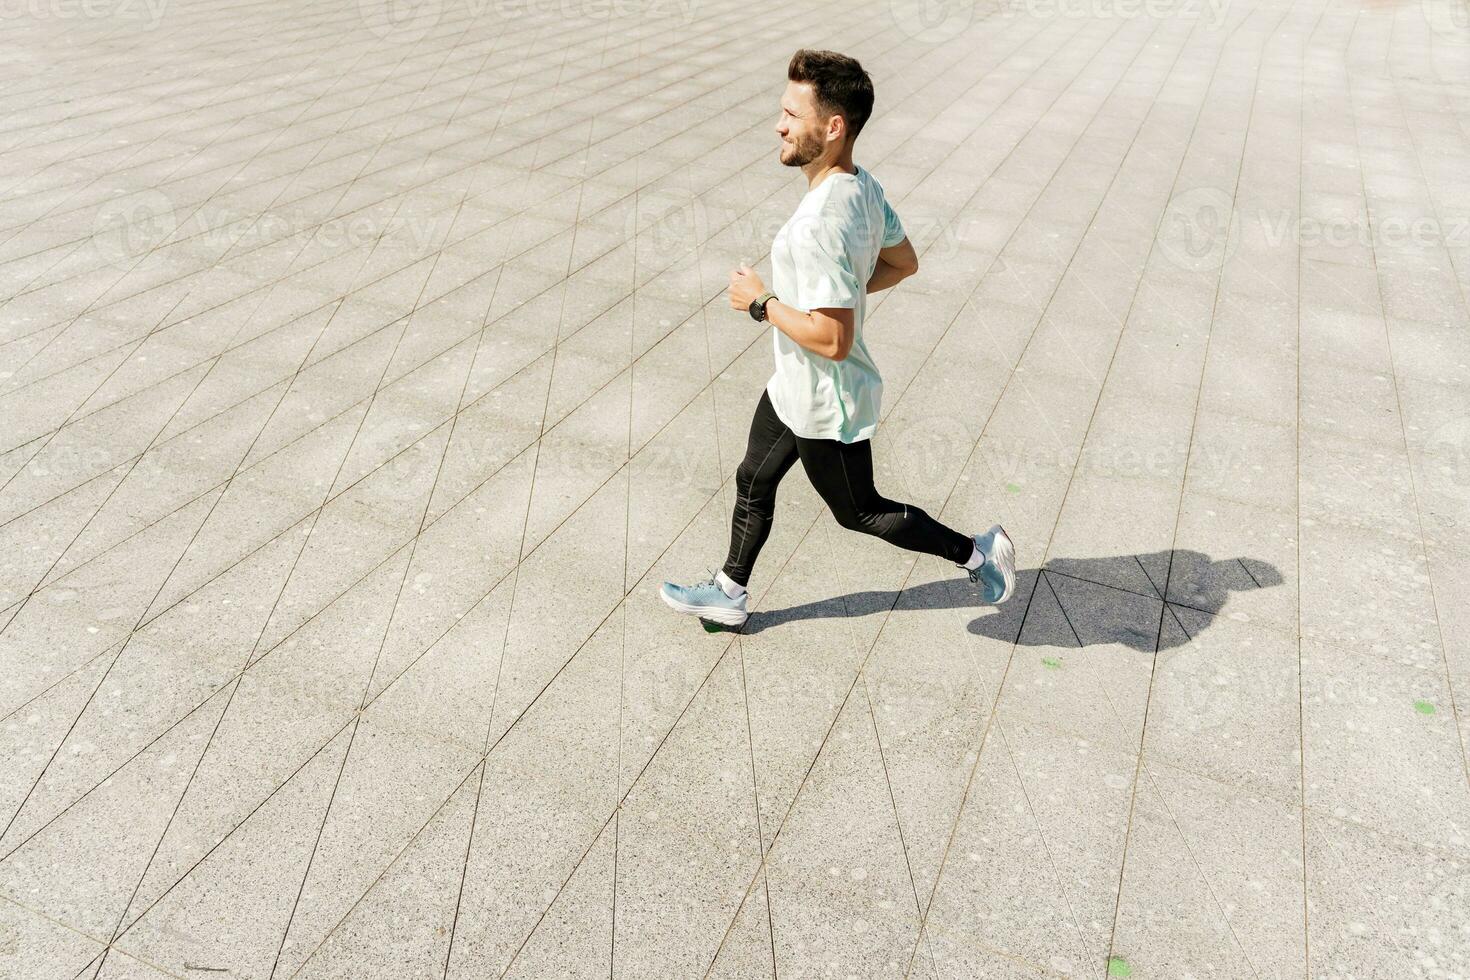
(895, 264)
(829, 332)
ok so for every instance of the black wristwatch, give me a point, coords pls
(758, 306)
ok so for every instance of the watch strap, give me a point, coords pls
(761, 301)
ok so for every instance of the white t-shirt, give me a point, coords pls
(823, 257)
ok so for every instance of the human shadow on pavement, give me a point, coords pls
(1082, 602)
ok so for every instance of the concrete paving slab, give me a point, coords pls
(365, 367)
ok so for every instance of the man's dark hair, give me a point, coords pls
(841, 86)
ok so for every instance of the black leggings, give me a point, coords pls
(842, 474)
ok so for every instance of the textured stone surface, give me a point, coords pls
(365, 367)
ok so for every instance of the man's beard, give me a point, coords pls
(800, 152)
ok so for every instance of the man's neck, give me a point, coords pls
(823, 167)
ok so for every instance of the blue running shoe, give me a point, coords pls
(997, 574)
(707, 601)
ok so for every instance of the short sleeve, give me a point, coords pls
(824, 273)
(893, 232)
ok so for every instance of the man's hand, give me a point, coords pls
(895, 264)
(745, 288)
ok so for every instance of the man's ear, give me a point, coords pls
(836, 128)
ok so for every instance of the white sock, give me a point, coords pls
(977, 558)
(732, 588)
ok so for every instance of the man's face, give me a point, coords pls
(802, 127)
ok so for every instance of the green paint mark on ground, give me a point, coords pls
(1118, 967)
(710, 627)
(1424, 707)
(1012, 488)
(1051, 662)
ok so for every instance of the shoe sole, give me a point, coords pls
(1003, 553)
(725, 617)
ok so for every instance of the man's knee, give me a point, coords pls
(880, 521)
(745, 475)
(857, 520)
(755, 487)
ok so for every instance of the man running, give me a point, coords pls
(821, 405)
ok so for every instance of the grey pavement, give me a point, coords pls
(365, 367)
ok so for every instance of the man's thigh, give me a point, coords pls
(841, 473)
(770, 449)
